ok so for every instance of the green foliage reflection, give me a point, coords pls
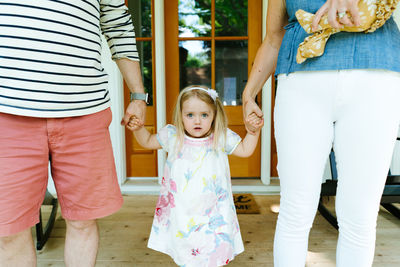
(195, 18)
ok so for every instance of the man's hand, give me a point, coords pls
(338, 13)
(130, 70)
(136, 109)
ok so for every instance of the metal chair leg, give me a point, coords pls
(392, 209)
(327, 214)
(43, 236)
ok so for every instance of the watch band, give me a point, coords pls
(141, 96)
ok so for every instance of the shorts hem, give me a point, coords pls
(14, 228)
(91, 214)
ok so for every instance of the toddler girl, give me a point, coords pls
(195, 219)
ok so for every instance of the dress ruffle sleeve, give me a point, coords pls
(232, 141)
(166, 136)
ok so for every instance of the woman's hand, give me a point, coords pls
(256, 122)
(338, 13)
(250, 109)
(264, 63)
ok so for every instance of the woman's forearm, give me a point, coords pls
(263, 67)
(267, 55)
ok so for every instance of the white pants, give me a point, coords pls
(356, 111)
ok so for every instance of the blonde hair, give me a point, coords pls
(220, 120)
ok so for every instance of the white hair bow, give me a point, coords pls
(211, 92)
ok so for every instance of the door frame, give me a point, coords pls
(266, 100)
(245, 167)
(118, 133)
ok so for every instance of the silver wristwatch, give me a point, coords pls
(141, 96)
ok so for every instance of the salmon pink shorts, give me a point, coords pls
(82, 166)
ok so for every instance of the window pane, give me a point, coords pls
(195, 63)
(141, 15)
(231, 70)
(194, 18)
(145, 53)
(230, 18)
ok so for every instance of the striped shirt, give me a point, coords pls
(50, 54)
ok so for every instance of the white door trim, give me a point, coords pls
(117, 132)
(266, 106)
(160, 76)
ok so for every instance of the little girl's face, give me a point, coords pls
(197, 117)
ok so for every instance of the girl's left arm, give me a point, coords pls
(247, 146)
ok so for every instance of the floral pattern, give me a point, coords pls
(373, 14)
(195, 219)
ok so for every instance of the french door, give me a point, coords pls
(208, 42)
(213, 43)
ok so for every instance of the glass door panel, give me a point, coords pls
(231, 70)
(231, 18)
(194, 18)
(194, 63)
(141, 11)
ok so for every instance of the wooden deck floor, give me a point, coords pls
(124, 237)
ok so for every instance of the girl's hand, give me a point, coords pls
(256, 122)
(134, 123)
(250, 107)
(137, 109)
(340, 12)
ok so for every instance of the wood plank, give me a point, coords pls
(124, 235)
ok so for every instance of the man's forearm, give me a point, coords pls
(131, 73)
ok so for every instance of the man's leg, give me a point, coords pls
(81, 243)
(17, 250)
(23, 180)
(83, 170)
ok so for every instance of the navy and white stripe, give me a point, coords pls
(50, 54)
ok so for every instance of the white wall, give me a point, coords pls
(117, 132)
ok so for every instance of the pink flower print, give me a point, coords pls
(164, 205)
(163, 181)
(171, 200)
(221, 255)
(172, 185)
(196, 248)
(205, 204)
(162, 214)
(195, 252)
(159, 212)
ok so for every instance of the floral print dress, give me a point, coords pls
(195, 220)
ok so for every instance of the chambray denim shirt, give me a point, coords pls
(344, 50)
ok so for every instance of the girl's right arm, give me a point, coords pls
(143, 136)
(146, 139)
(266, 58)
